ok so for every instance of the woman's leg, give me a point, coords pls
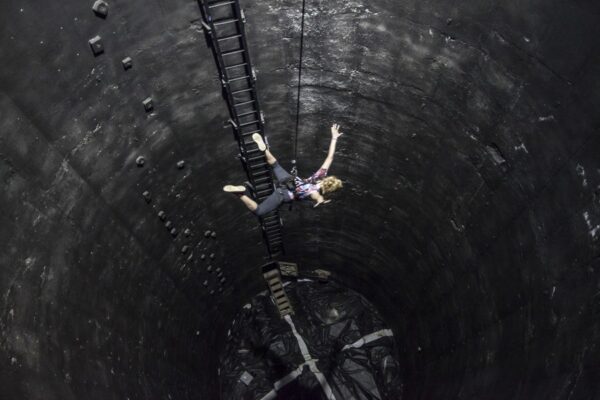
(263, 147)
(281, 174)
(241, 191)
(251, 204)
(270, 158)
(269, 204)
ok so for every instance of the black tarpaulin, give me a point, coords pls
(349, 348)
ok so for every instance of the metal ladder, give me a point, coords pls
(271, 273)
(223, 24)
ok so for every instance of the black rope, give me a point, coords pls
(299, 82)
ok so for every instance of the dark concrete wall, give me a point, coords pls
(469, 216)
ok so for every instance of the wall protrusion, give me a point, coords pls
(127, 63)
(96, 45)
(100, 8)
(148, 104)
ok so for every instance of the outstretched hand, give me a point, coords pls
(335, 133)
(321, 202)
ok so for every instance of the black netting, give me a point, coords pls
(262, 348)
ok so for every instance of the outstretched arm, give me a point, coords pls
(335, 134)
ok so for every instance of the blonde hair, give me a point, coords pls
(330, 184)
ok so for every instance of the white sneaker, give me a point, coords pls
(234, 189)
(259, 141)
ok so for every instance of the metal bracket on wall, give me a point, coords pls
(223, 25)
(272, 276)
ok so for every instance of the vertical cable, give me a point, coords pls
(299, 82)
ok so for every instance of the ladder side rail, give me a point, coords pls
(221, 66)
(274, 247)
(241, 17)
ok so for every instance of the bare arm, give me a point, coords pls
(335, 134)
(319, 199)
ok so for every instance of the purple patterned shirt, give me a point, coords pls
(305, 187)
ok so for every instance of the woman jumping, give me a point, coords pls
(315, 187)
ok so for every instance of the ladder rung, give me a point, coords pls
(261, 173)
(249, 133)
(282, 301)
(220, 4)
(259, 165)
(239, 78)
(232, 52)
(252, 159)
(270, 274)
(244, 103)
(236, 65)
(242, 91)
(266, 178)
(273, 229)
(247, 113)
(249, 123)
(225, 21)
(237, 36)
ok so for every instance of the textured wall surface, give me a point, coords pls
(470, 214)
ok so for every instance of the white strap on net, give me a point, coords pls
(282, 382)
(371, 337)
(299, 339)
(309, 361)
(312, 364)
